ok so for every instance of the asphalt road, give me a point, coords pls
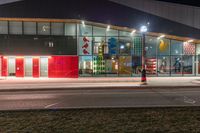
(97, 98)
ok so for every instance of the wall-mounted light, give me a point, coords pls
(189, 41)
(108, 28)
(162, 36)
(83, 23)
(133, 32)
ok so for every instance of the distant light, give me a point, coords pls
(122, 47)
(148, 23)
(108, 28)
(161, 37)
(83, 23)
(133, 32)
(143, 28)
(189, 41)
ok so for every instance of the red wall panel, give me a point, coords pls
(4, 66)
(19, 67)
(36, 67)
(63, 67)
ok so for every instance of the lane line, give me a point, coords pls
(50, 105)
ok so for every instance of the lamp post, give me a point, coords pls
(143, 30)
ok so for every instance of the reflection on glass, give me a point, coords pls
(176, 47)
(150, 45)
(125, 64)
(163, 46)
(163, 65)
(125, 46)
(188, 64)
(99, 65)
(85, 66)
(176, 65)
(111, 66)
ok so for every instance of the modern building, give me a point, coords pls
(71, 39)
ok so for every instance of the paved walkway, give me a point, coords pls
(50, 83)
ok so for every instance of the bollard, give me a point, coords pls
(143, 77)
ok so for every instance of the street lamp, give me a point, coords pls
(143, 30)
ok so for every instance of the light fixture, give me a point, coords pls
(133, 32)
(162, 36)
(83, 23)
(189, 41)
(122, 47)
(143, 29)
(108, 28)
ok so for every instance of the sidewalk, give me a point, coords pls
(81, 83)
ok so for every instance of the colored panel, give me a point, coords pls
(63, 67)
(19, 67)
(4, 65)
(36, 67)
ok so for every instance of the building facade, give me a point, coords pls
(72, 48)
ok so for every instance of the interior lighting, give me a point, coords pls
(162, 36)
(83, 23)
(133, 32)
(108, 28)
(189, 41)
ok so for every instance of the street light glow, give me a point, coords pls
(108, 28)
(143, 29)
(83, 23)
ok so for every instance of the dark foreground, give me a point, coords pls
(134, 120)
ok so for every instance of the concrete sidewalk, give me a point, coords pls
(108, 82)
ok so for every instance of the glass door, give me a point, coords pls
(44, 67)
(198, 65)
(28, 66)
(11, 66)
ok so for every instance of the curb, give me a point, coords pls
(140, 86)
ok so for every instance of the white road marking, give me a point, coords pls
(189, 100)
(50, 105)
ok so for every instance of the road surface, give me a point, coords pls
(97, 98)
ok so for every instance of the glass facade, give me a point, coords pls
(102, 52)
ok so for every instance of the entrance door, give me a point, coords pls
(43, 66)
(198, 65)
(19, 67)
(28, 66)
(11, 66)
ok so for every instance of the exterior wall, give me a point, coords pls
(188, 15)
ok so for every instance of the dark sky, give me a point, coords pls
(186, 2)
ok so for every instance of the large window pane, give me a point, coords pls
(176, 47)
(163, 65)
(44, 28)
(125, 65)
(98, 31)
(85, 30)
(30, 28)
(176, 65)
(3, 27)
(70, 29)
(15, 27)
(85, 66)
(57, 28)
(99, 66)
(112, 32)
(111, 66)
(150, 45)
(100, 48)
(85, 46)
(112, 46)
(188, 64)
(125, 45)
(124, 33)
(163, 46)
(198, 49)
